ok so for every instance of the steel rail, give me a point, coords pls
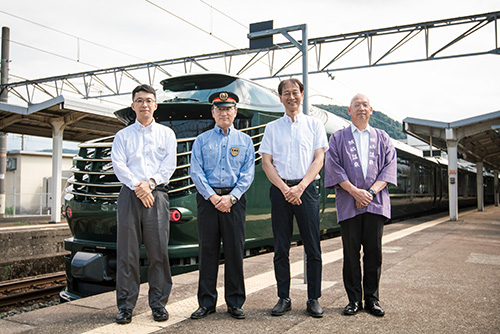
(10, 297)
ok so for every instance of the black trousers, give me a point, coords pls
(214, 226)
(150, 226)
(362, 230)
(307, 216)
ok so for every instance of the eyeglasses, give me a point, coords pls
(141, 101)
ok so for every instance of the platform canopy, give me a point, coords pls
(83, 121)
(475, 139)
(60, 119)
(478, 138)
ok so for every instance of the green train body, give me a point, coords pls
(90, 198)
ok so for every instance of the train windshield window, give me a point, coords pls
(199, 90)
(190, 120)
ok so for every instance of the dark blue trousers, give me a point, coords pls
(307, 217)
(214, 226)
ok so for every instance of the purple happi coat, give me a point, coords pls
(342, 163)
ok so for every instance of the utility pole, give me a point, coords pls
(4, 77)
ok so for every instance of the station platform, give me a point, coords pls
(439, 276)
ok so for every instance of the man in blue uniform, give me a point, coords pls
(144, 159)
(222, 168)
(293, 150)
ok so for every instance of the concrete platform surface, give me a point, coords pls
(439, 276)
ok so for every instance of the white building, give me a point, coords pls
(28, 179)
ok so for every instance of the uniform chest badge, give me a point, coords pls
(235, 151)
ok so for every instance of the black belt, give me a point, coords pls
(162, 187)
(292, 183)
(222, 191)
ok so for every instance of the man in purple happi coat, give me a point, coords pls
(360, 162)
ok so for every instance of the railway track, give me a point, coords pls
(31, 288)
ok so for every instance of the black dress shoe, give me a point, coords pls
(236, 312)
(124, 316)
(374, 308)
(314, 309)
(283, 305)
(352, 308)
(202, 312)
(160, 314)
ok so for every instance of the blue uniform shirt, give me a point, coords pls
(222, 161)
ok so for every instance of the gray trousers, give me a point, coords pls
(150, 226)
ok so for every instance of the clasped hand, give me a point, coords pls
(292, 195)
(362, 198)
(144, 193)
(222, 203)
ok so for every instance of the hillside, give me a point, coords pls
(378, 120)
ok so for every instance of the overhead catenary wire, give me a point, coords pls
(71, 35)
(246, 25)
(231, 17)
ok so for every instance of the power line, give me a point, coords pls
(70, 35)
(52, 53)
(221, 12)
(191, 24)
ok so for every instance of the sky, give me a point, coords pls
(53, 37)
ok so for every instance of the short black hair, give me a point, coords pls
(143, 88)
(294, 81)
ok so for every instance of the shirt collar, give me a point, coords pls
(142, 127)
(217, 129)
(297, 117)
(354, 128)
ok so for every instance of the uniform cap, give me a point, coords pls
(224, 99)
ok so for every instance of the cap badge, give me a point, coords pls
(223, 96)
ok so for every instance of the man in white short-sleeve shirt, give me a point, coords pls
(293, 151)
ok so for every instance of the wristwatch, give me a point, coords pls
(233, 199)
(371, 192)
(152, 184)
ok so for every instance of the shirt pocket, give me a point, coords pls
(306, 141)
(159, 152)
(210, 154)
(236, 157)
